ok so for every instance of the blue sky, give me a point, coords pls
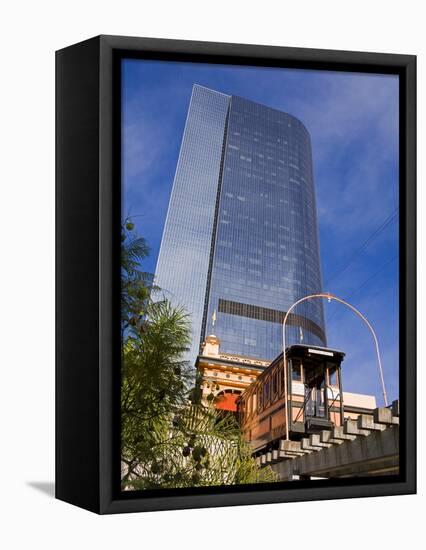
(353, 122)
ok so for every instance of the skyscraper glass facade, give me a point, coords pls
(240, 244)
(183, 259)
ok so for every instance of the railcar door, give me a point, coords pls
(315, 400)
(316, 410)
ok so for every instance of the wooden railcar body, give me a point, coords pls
(314, 397)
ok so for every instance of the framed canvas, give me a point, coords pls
(235, 274)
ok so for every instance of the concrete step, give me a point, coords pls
(292, 447)
(325, 437)
(383, 415)
(315, 441)
(366, 422)
(350, 427)
(306, 445)
(338, 433)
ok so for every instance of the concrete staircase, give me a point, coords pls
(368, 445)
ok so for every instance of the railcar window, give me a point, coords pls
(275, 383)
(282, 382)
(266, 389)
(332, 376)
(296, 373)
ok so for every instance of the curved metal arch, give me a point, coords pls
(329, 296)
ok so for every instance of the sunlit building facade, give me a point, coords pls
(240, 243)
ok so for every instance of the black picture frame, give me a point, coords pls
(88, 276)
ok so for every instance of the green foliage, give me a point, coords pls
(168, 438)
(136, 285)
(201, 447)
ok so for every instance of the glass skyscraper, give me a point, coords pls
(240, 243)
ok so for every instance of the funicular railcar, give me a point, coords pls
(314, 397)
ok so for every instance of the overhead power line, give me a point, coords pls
(365, 283)
(369, 240)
